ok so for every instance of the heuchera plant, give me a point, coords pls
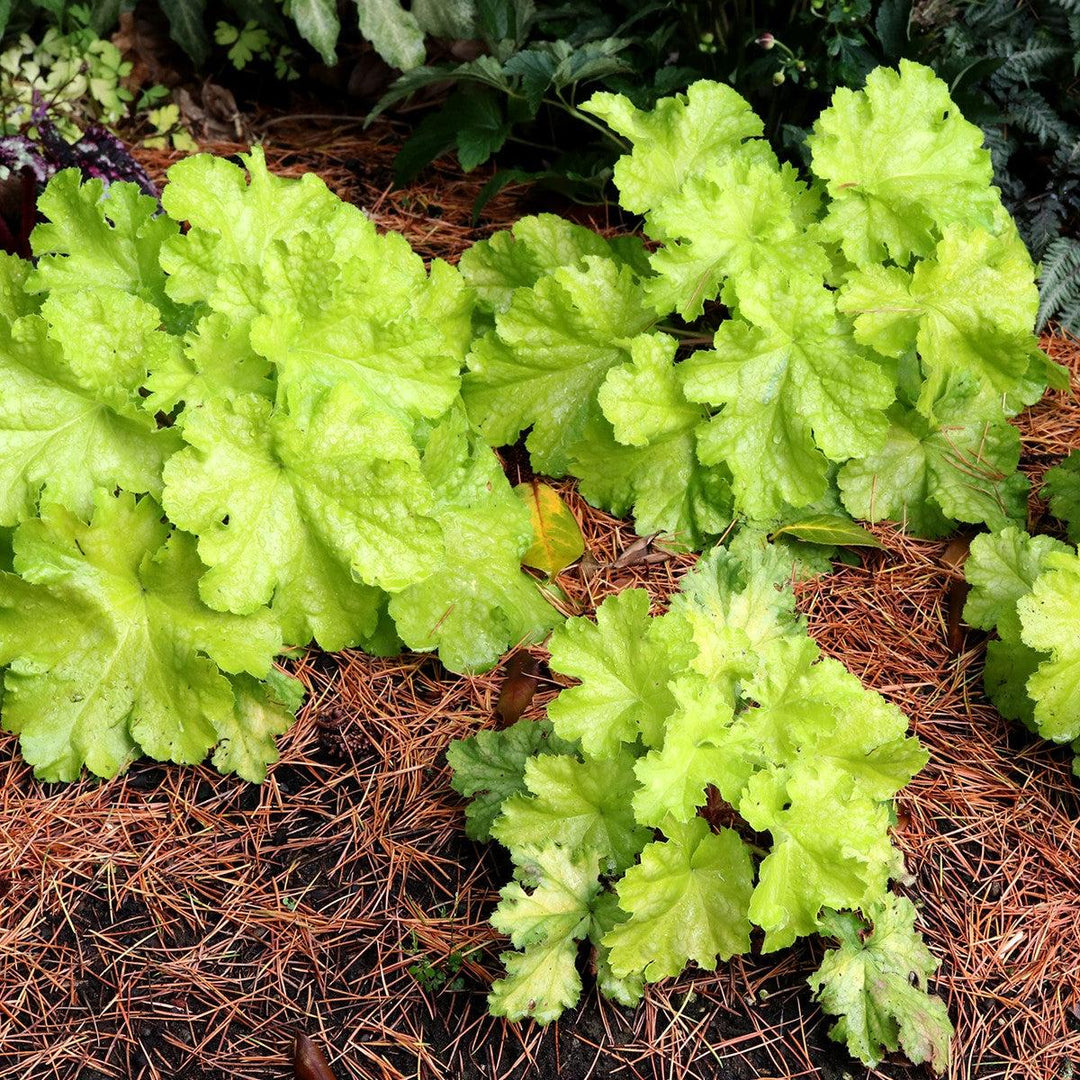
(1027, 589)
(217, 441)
(605, 809)
(871, 323)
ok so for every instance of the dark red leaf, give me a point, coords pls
(518, 687)
(309, 1062)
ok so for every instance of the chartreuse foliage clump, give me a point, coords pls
(601, 808)
(220, 441)
(1027, 589)
(871, 321)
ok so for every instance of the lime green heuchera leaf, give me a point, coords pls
(262, 710)
(1050, 621)
(680, 138)
(489, 767)
(15, 300)
(737, 220)
(624, 664)
(65, 424)
(796, 393)
(110, 649)
(1062, 486)
(216, 361)
(876, 982)
(1001, 568)
(547, 356)
(900, 164)
(325, 296)
(814, 708)
(235, 217)
(540, 982)
(377, 320)
(1009, 665)
(299, 506)
(968, 307)
(578, 805)
(479, 602)
(931, 474)
(561, 888)
(110, 341)
(734, 607)
(519, 257)
(96, 237)
(642, 453)
(661, 482)
(687, 900)
(831, 848)
(674, 776)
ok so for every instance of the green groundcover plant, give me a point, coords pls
(1027, 589)
(217, 441)
(602, 806)
(871, 324)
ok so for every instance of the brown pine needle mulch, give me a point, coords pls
(176, 924)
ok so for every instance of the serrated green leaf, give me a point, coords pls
(479, 603)
(796, 391)
(931, 474)
(968, 307)
(737, 220)
(876, 982)
(734, 608)
(830, 848)
(1050, 621)
(94, 238)
(549, 353)
(674, 776)
(643, 452)
(540, 982)
(579, 805)
(306, 507)
(1001, 568)
(489, 767)
(69, 422)
(687, 900)
(261, 711)
(109, 648)
(535, 246)
(680, 138)
(562, 886)
(216, 361)
(1009, 665)
(900, 164)
(627, 990)
(624, 664)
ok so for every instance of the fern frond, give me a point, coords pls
(1030, 63)
(1032, 113)
(1059, 284)
(1042, 223)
